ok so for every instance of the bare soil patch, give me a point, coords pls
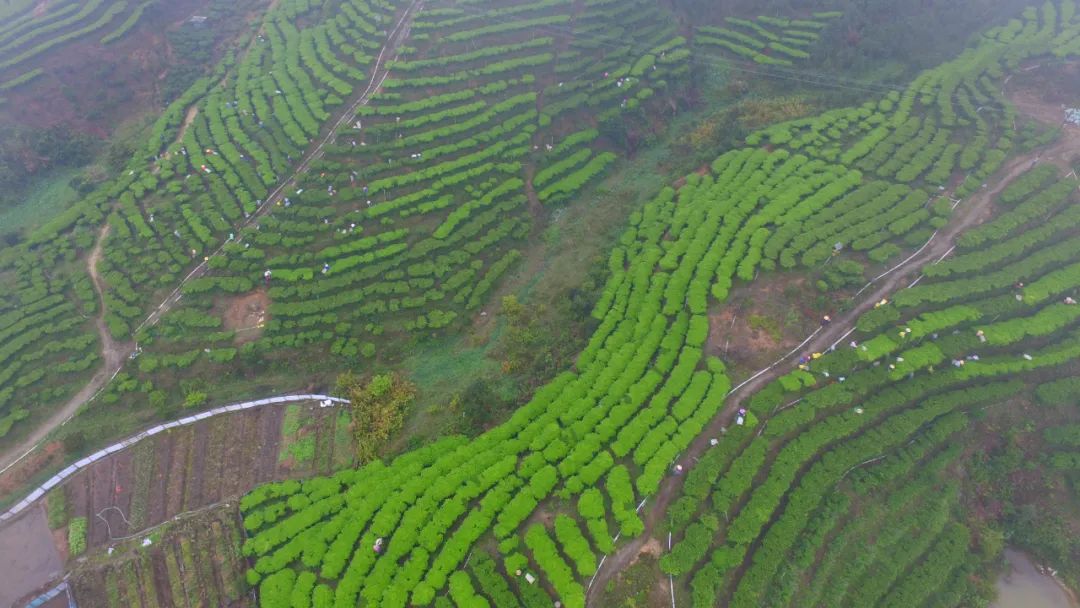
(246, 314)
(761, 321)
(91, 87)
(652, 547)
(28, 559)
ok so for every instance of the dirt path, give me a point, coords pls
(189, 117)
(535, 206)
(112, 351)
(116, 353)
(969, 213)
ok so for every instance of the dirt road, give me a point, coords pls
(968, 213)
(114, 353)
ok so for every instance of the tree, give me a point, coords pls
(378, 409)
(477, 404)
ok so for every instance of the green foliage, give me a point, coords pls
(77, 536)
(56, 511)
(378, 408)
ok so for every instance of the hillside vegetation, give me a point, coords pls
(758, 507)
(357, 184)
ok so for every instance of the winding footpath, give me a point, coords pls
(115, 354)
(968, 214)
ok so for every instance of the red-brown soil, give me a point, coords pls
(773, 298)
(91, 87)
(246, 315)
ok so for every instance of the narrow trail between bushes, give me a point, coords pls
(968, 213)
(114, 353)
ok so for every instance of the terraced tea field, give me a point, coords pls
(361, 181)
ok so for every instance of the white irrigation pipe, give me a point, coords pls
(671, 579)
(595, 574)
(908, 259)
(946, 254)
(842, 338)
(81, 464)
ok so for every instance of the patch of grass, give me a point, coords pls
(145, 467)
(176, 584)
(146, 581)
(440, 371)
(112, 588)
(56, 509)
(632, 587)
(290, 425)
(77, 536)
(302, 450)
(47, 199)
(766, 324)
(343, 444)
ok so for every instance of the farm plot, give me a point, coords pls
(191, 467)
(191, 562)
(601, 437)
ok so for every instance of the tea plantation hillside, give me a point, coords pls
(405, 213)
(361, 182)
(546, 492)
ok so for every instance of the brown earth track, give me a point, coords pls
(215, 467)
(161, 582)
(232, 484)
(123, 483)
(269, 434)
(174, 493)
(156, 509)
(975, 210)
(193, 489)
(101, 491)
